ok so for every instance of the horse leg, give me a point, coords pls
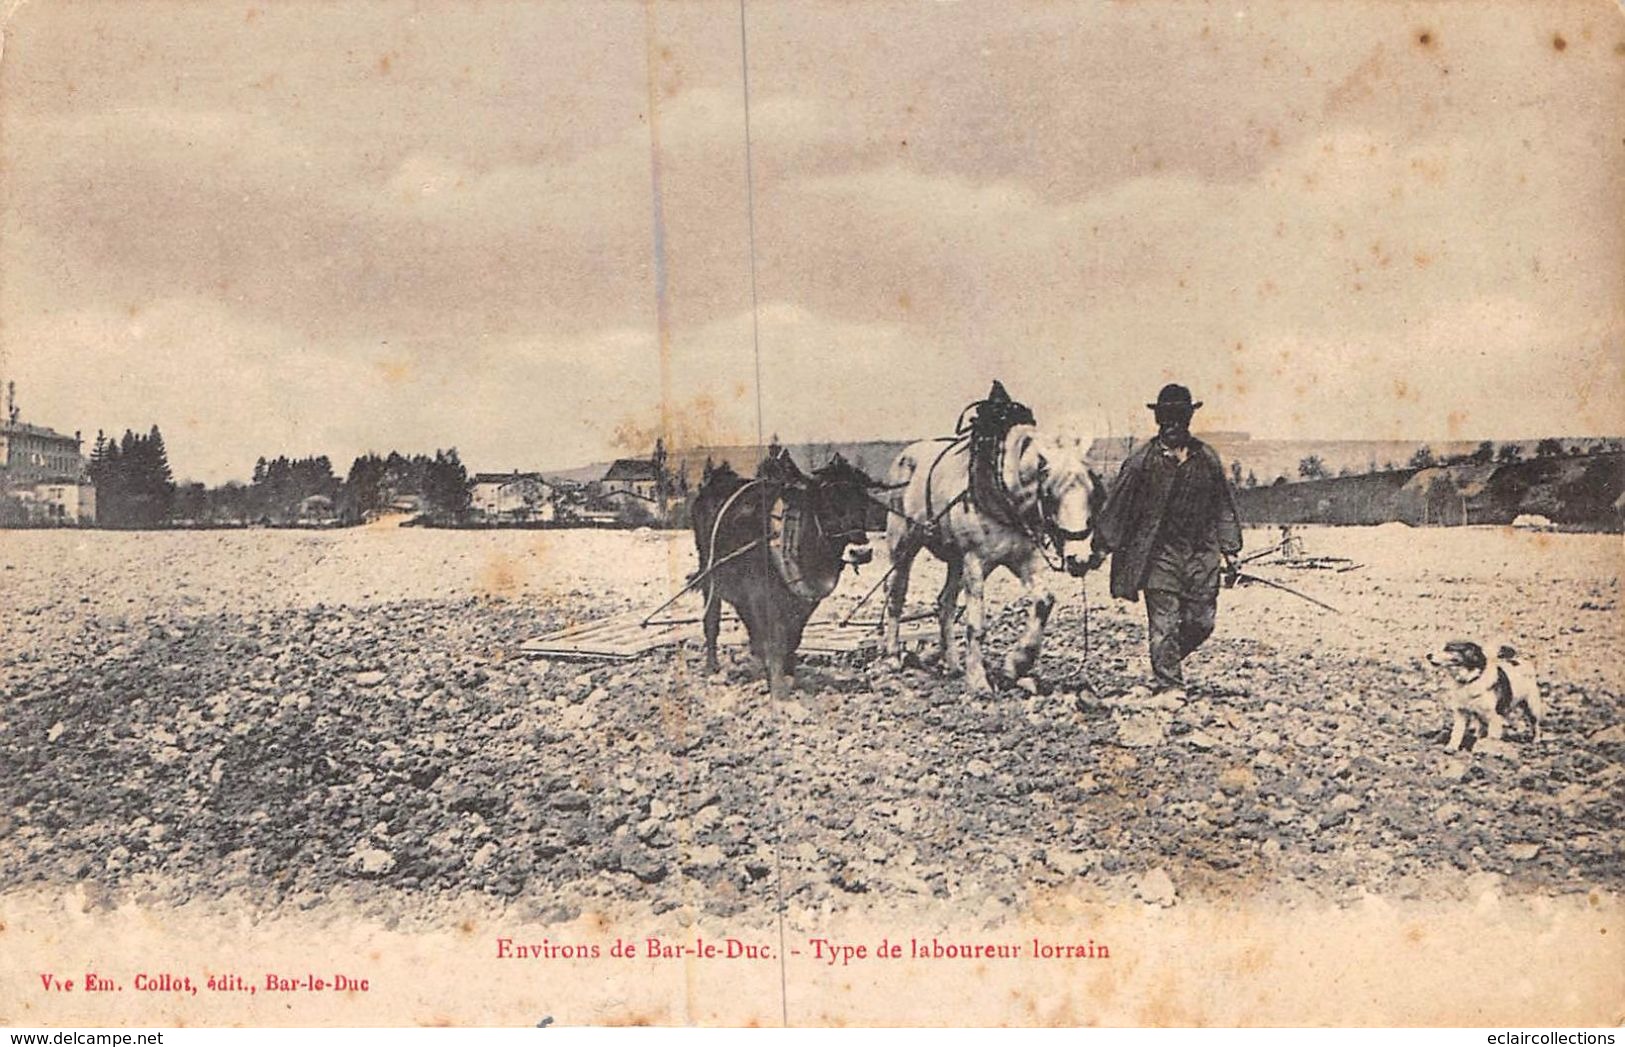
(904, 547)
(713, 626)
(1021, 659)
(975, 617)
(792, 645)
(776, 653)
(947, 603)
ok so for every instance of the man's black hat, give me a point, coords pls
(1175, 396)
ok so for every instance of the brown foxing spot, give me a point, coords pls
(1558, 43)
(500, 577)
(394, 372)
(384, 64)
(1425, 38)
(1253, 959)
(904, 302)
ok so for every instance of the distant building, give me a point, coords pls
(33, 453)
(638, 488)
(511, 496)
(43, 470)
(631, 478)
(317, 509)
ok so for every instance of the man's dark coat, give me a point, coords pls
(1129, 524)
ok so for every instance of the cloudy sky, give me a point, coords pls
(523, 229)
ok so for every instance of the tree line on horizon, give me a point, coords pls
(135, 487)
(1313, 467)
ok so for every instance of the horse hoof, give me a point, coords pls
(1017, 668)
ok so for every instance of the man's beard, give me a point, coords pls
(1175, 434)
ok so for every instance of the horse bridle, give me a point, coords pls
(1047, 527)
(851, 535)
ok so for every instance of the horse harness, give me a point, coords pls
(786, 527)
(986, 433)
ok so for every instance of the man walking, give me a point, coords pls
(1169, 522)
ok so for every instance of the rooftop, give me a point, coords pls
(632, 469)
(506, 478)
(25, 429)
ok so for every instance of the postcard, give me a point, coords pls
(750, 513)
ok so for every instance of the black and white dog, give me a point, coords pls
(1489, 689)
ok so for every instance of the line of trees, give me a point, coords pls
(1313, 467)
(134, 485)
(376, 483)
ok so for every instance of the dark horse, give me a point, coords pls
(774, 547)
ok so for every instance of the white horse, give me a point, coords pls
(1051, 501)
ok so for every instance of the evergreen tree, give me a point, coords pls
(160, 480)
(446, 483)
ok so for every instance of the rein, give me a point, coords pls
(711, 562)
(811, 487)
